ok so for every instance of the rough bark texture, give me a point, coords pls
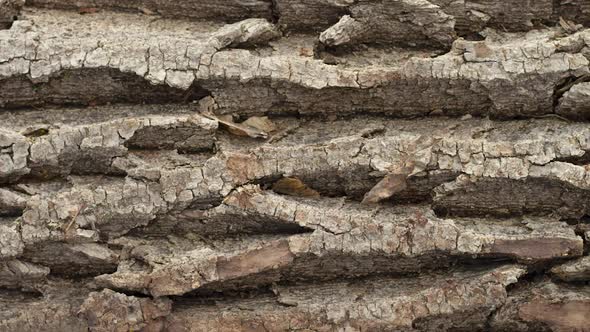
(294, 165)
(9, 10)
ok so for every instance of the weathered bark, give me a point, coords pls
(227, 10)
(325, 165)
(507, 75)
(575, 101)
(339, 240)
(460, 300)
(544, 306)
(466, 17)
(576, 270)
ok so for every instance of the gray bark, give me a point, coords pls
(326, 165)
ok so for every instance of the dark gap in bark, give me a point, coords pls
(572, 284)
(420, 188)
(247, 287)
(354, 183)
(89, 87)
(65, 264)
(474, 36)
(8, 221)
(206, 203)
(211, 297)
(581, 230)
(329, 54)
(556, 4)
(127, 292)
(532, 276)
(165, 139)
(572, 11)
(84, 166)
(10, 211)
(571, 222)
(288, 98)
(505, 198)
(6, 25)
(582, 160)
(469, 320)
(20, 295)
(350, 268)
(193, 219)
(32, 187)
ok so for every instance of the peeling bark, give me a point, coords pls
(575, 270)
(325, 165)
(575, 101)
(110, 311)
(507, 75)
(397, 22)
(466, 16)
(82, 142)
(380, 304)
(544, 307)
(343, 240)
(230, 10)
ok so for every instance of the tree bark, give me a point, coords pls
(325, 165)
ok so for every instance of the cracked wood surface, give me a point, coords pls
(421, 166)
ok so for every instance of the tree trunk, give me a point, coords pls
(294, 165)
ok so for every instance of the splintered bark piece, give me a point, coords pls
(575, 270)
(390, 185)
(250, 32)
(575, 102)
(569, 26)
(239, 129)
(544, 306)
(262, 123)
(294, 187)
